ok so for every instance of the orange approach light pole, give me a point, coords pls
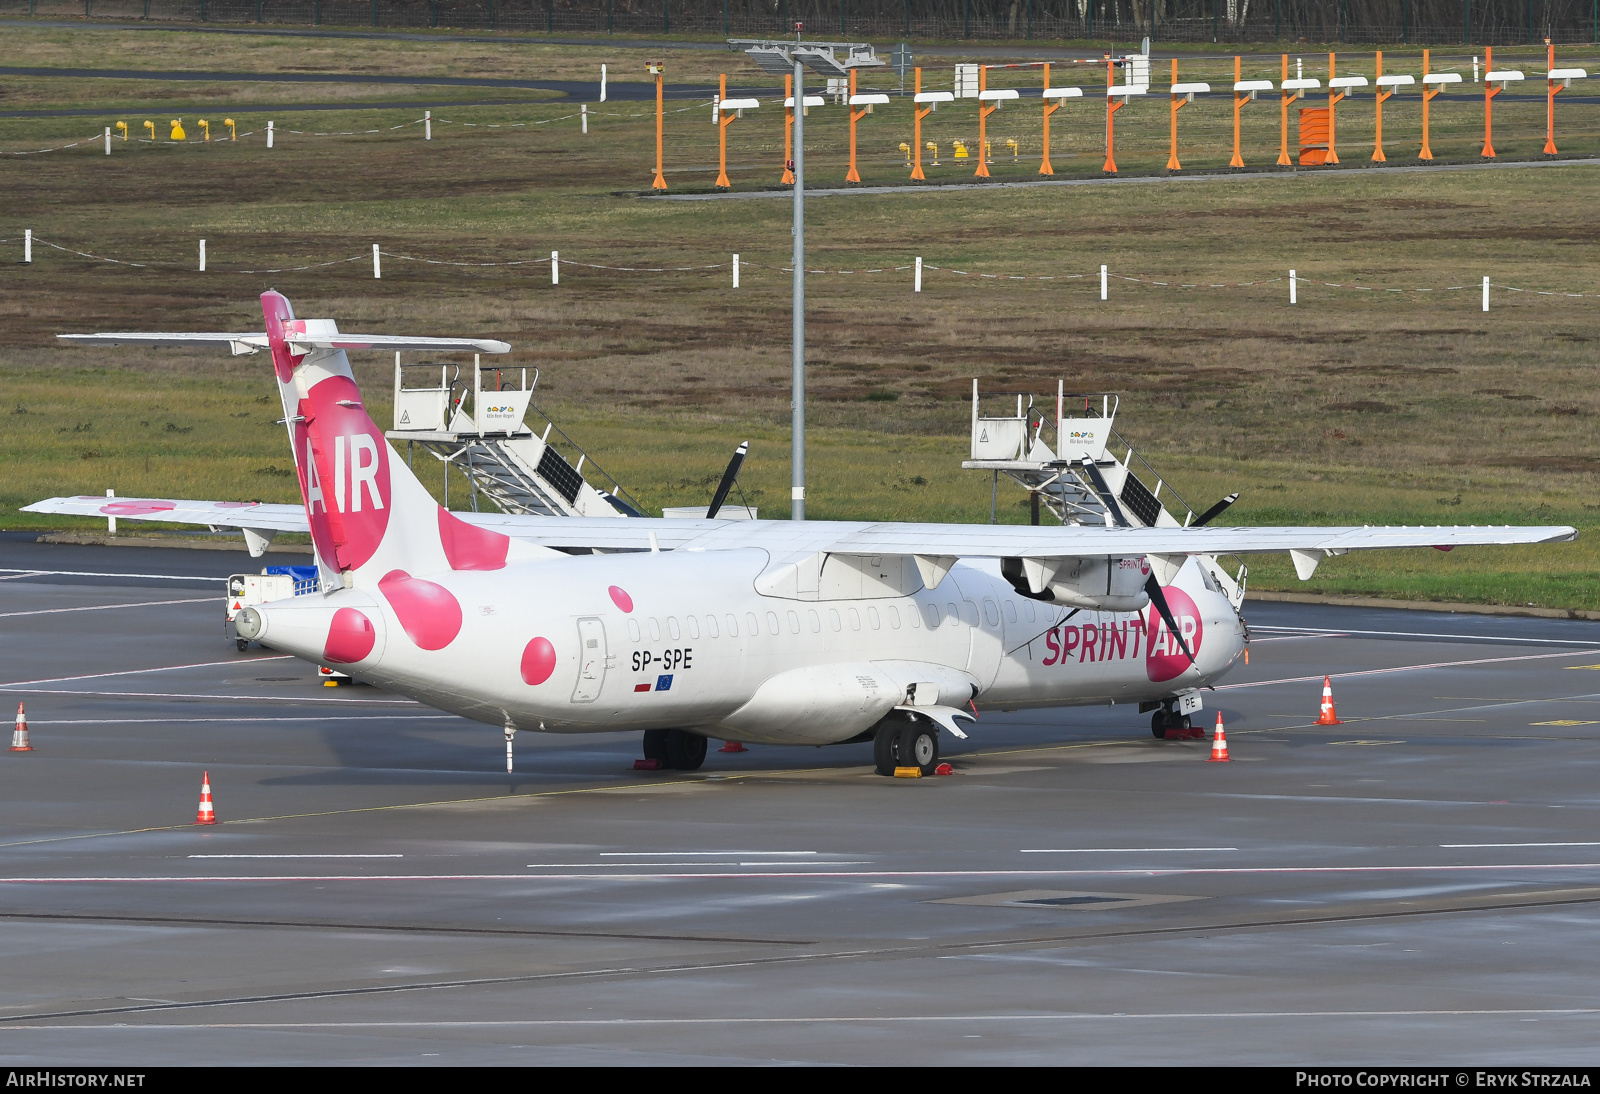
(917, 115)
(1556, 81)
(1242, 93)
(1285, 98)
(1489, 92)
(1333, 101)
(1377, 139)
(853, 175)
(984, 110)
(654, 68)
(1049, 109)
(723, 120)
(788, 131)
(1112, 106)
(1178, 103)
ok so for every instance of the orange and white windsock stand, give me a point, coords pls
(1328, 717)
(19, 736)
(1219, 745)
(207, 814)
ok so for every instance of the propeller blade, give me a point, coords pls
(728, 478)
(1159, 599)
(1216, 510)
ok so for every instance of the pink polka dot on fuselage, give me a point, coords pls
(350, 637)
(621, 599)
(538, 661)
(430, 615)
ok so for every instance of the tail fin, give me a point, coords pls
(369, 516)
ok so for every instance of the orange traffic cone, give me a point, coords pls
(206, 815)
(1219, 745)
(732, 746)
(19, 737)
(1328, 717)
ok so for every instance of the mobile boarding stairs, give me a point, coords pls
(521, 468)
(1069, 466)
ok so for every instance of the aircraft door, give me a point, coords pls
(591, 660)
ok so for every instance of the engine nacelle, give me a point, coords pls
(818, 704)
(1100, 583)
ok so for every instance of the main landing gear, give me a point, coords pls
(1168, 725)
(675, 749)
(905, 742)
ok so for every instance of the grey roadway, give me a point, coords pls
(1415, 885)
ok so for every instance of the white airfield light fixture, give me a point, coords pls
(1189, 91)
(1255, 87)
(1063, 93)
(1503, 77)
(1394, 83)
(1347, 84)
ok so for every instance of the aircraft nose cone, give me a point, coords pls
(248, 624)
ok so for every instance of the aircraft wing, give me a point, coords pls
(991, 541)
(256, 515)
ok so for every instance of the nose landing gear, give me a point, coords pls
(1168, 725)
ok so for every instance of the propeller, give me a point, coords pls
(1216, 510)
(728, 478)
(1159, 599)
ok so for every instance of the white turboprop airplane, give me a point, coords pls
(782, 632)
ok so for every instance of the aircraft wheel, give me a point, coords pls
(655, 745)
(883, 747)
(242, 643)
(1158, 725)
(1184, 724)
(685, 751)
(918, 746)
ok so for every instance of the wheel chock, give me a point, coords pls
(908, 772)
(647, 765)
(944, 769)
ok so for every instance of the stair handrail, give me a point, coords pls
(617, 490)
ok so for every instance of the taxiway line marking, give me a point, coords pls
(1150, 871)
(1344, 632)
(296, 856)
(140, 672)
(20, 689)
(747, 1020)
(94, 573)
(1591, 843)
(1112, 850)
(108, 607)
(1409, 668)
(690, 854)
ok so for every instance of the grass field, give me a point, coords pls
(1352, 407)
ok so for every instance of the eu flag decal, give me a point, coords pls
(664, 683)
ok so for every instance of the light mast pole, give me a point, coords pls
(797, 458)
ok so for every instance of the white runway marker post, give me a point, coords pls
(1486, 294)
(555, 267)
(916, 285)
(602, 83)
(202, 256)
(1102, 283)
(377, 266)
(108, 140)
(736, 271)
(111, 522)
(27, 247)
(427, 125)
(583, 112)
(1292, 294)
(269, 134)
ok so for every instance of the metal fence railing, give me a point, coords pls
(1474, 22)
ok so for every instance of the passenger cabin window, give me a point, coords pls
(931, 611)
(633, 629)
(752, 627)
(694, 626)
(815, 620)
(894, 617)
(711, 626)
(672, 627)
(953, 612)
(873, 620)
(794, 623)
(991, 612)
(1011, 611)
(655, 630)
(733, 626)
(772, 622)
(855, 620)
(833, 619)
(1028, 610)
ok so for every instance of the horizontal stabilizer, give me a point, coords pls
(256, 342)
